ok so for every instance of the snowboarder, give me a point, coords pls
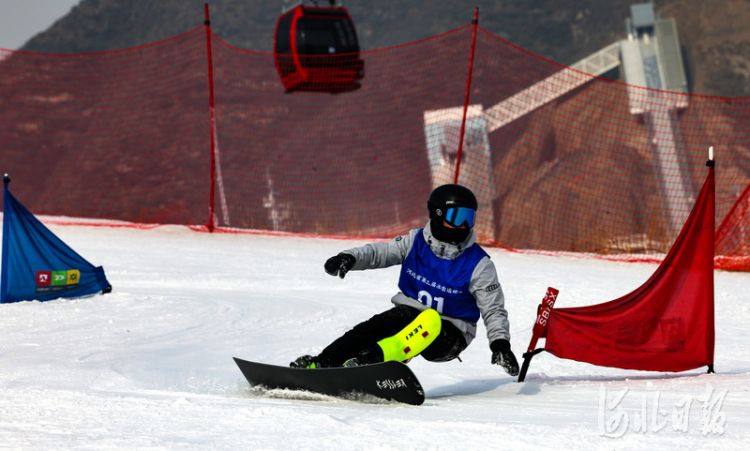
(442, 268)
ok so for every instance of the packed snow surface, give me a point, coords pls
(149, 366)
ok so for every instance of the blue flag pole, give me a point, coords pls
(6, 234)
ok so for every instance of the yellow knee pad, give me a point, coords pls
(412, 339)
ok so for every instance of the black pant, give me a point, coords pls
(365, 336)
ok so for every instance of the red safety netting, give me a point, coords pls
(731, 238)
(559, 160)
(116, 135)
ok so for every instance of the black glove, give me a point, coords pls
(503, 356)
(339, 265)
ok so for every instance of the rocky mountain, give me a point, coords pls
(714, 33)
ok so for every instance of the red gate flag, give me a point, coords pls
(665, 325)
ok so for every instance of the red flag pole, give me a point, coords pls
(711, 163)
(540, 329)
(475, 24)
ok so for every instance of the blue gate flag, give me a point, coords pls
(36, 264)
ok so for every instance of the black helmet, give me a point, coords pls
(456, 205)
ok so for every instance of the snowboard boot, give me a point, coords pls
(352, 362)
(307, 361)
(366, 357)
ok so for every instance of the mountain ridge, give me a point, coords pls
(563, 31)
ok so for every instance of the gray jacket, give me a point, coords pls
(484, 283)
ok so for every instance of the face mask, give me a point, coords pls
(447, 235)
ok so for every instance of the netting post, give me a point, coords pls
(475, 24)
(211, 207)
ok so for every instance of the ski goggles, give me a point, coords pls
(458, 216)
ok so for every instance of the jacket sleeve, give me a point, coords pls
(382, 255)
(490, 300)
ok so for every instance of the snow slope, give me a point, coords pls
(149, 366)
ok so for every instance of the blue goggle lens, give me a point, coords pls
(458, 216)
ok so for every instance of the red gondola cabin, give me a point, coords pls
(316, 49)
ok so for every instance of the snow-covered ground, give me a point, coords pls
(149, 366)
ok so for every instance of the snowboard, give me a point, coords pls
(391, 381)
